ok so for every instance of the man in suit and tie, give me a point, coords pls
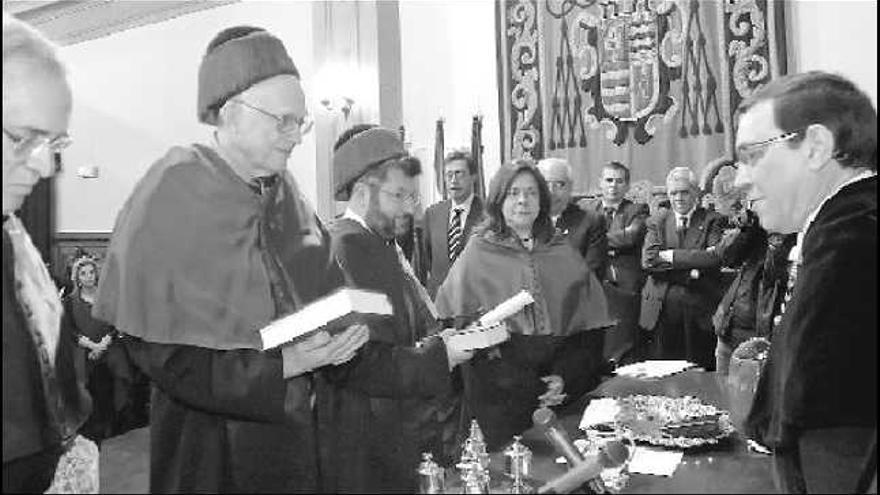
(684, 283)
(449, 223)
(585, 229)
(623, 279)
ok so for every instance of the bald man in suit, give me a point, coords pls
(684, 283)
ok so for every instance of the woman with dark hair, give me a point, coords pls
(555, 348)
(120, 393)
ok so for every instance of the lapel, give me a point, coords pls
(671, 235)
(695, 229)
(442, 228)
(474, 216)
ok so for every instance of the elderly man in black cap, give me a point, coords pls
(215, 242)
(380, 414)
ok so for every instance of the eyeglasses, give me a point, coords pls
(460, 174)
(32, 141)
(401, 197)
(557, 184)
(528, 193)
(750, 153)
(284, 123)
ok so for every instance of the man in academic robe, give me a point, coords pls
(623, 279)
(807, 148)
(449, 223)
(377, 415)
(215, 242)
(585, 230)
(684, 274)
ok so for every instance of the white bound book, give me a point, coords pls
(333, 312)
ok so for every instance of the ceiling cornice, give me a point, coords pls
(73, 21)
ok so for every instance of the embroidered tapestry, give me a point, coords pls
(650, 83)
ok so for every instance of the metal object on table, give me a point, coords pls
(431, 475)
(474, 446)
(518, 466)
(474, 477)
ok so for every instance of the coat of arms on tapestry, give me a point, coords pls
(651, 83)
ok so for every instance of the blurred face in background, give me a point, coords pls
(87, 276)
(614, 185)
(559, 182)
(682, 196)
(522, 203)
(459, 180)
(36, 113)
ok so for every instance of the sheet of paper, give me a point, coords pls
(654, 368)
(599, 411)
(655, 461)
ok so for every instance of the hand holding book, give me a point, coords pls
(322, 349)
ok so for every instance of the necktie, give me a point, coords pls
(682, 230)
(609, 216)
(453, 235)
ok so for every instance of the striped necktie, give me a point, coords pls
(453, 235)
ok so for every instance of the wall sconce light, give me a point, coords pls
(337, 85)
(341, 103)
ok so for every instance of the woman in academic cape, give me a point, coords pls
(555, 347)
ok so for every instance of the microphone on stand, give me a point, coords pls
(612, 454)
(545, 420)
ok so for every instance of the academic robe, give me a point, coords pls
(376, 412)
(42, 407)
(199, 262)
(560, 334)
(822, 368)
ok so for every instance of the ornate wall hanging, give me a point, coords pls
(650, 83)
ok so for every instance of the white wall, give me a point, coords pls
(135, 96)
(836, 36)
(449, 70)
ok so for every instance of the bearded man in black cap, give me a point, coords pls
(215, 242)
(380, 414)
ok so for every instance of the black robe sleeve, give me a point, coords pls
(244, 384)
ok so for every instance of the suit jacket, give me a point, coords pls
(585, 231)
(704, 232)
(435, 244)
(376, 414)
(625, 248)
(822, 368)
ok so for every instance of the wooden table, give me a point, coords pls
(728, 467)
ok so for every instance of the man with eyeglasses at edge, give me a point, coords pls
(44, 402)
(449, 223)
(379, 413)
(807, 151)
(216, 242)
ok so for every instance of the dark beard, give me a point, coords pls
(378, 221)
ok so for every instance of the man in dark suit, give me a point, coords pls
(807, 148)
(585, 229)
(624, 277)
(684, 277)
(449, 223)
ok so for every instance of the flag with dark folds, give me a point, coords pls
(477, 154)
(438, 158)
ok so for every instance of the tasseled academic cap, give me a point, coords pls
(366, 149)
(236, 59)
